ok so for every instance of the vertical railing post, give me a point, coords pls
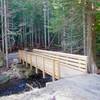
(53, 76)
(26, 59)
(58, 66)
(43, 68)
(31, 59)
(23, 57)
(36, 66)
(19, 56)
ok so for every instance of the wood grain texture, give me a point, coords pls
(52, 62)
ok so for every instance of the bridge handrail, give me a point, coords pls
(77, 62)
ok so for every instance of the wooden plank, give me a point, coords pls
(43, 68)
(64, 56)
(31, 61)
(50, 62)
(73, 59)
(53, 71)
(77, 64)
(36, 66)
(61, 54)
(73, 64)
(57, 69)
(70, 66)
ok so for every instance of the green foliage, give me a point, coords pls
(69, 15)
(98, 28)
(31, 10)
(65, 16)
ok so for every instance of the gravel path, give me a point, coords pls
(84, 87)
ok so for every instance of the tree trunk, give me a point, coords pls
(5, 31)
(91, 39)
(2, 22)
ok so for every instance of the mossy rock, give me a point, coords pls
(1, 59)
(1, 63)
(4, 79)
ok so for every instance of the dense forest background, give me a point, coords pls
(63, 23)
(52, 24)
(98, 28)
(98, 34)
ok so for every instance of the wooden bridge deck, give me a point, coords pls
(56, 64)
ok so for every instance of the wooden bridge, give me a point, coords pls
(56, 64)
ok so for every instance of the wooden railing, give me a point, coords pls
(52, 62)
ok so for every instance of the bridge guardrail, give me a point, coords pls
(51, 62)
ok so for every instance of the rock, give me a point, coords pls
(15, 61)
(24, 71)
(13, 72)
(1, 59)
(4, 79)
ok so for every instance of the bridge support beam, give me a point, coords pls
(36, 70)
(43, 69)
(44, 74)
(53, 76)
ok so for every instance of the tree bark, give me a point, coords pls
(91, 39)
(2, 22)
(5, 31)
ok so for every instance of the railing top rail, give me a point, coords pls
(59, 53)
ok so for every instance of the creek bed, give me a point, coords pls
(16, 86)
